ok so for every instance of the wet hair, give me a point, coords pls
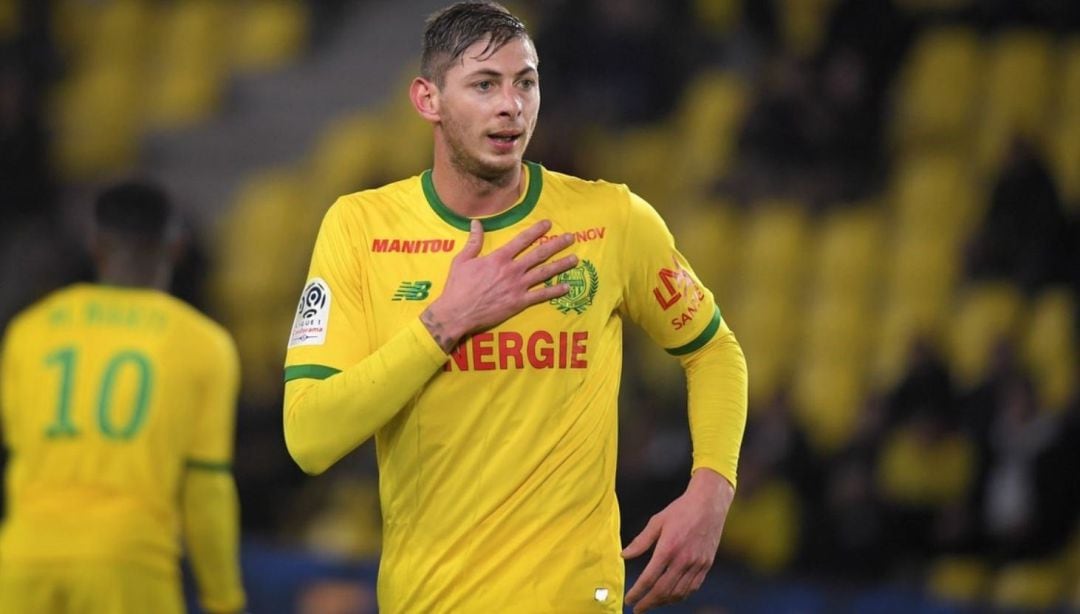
(452, 30)
(136, 212)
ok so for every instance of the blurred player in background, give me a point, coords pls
(118, 407)
(444, 315)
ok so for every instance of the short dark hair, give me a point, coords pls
(452, 30)
(136, 211)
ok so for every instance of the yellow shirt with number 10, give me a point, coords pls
(107, 394)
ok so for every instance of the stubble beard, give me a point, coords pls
(472, 166)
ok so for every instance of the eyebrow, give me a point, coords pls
(488, 72)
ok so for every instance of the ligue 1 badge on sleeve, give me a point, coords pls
(583, 281)
(309, 325)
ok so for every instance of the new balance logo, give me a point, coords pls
(412, 291)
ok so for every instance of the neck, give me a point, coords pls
(134, 275)
(471, 195)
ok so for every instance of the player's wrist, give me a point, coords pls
(445, 329)
(711, 484)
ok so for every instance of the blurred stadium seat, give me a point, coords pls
(927, 113)
(705, 126)
(268, 33)
(956, 579)
(192, 64)
(1017, 93)
(985, 315)
(763, 528)
(1029, 586)
(1049, 347)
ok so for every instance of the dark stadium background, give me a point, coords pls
(884, 195)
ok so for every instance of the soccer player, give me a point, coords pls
(118, 409)
(445, 315)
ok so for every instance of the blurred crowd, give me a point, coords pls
(883, 194)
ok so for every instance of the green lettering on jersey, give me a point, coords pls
(64, 426)
(412, 291)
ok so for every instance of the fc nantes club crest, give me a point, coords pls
(583, 282)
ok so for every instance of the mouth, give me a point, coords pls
(507, 137)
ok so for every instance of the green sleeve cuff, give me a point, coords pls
(702, 338)
(203, 465)
(309, 372)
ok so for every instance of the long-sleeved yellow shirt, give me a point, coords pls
(118, 409)
(497, 462)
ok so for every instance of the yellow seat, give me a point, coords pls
(348, 524)
(901, 324)
(267, 210)
(934, 195)
(10, 19)
(193, 64)
(802, 25)
(985, 314)
(268, 33)
(631, 156)
(775, 242)
(837, 328)
(184, 96)
(1029, 586)
(921, 274)
(762, 528)
(718, 17)
(828, 395)
(1065, 159)
(706, 125)
(1069, 78)
(765, 328)
(958, 579)
(850, 256)
(707, 234)
(917, 472)
(1018, 94)
(345, 158)
(938, 90)
(97, 120)
(405, 138)
(124, 33)
(1049, 347)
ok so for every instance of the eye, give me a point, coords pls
(484, 86)
(527, 84)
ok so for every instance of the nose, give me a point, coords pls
(510, 103)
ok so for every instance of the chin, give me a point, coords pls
(493, 168)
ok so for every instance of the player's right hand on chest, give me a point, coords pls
(483, 291)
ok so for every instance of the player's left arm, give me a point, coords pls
(664, 296)
(210, 505)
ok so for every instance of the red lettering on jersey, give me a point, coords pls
(506, 350)
(482, 347)
(510, 347)
(580, 236)
(541, 357)
(577, 350)
(459, 357)
(562, 350)
(412, 246)
(670, 296)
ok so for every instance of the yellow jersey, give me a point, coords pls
(497, 479)
(107, 394)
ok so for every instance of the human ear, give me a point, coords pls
(425, 99)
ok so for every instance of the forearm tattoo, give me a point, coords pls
(438, 331)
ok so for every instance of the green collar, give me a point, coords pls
(509, 217)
